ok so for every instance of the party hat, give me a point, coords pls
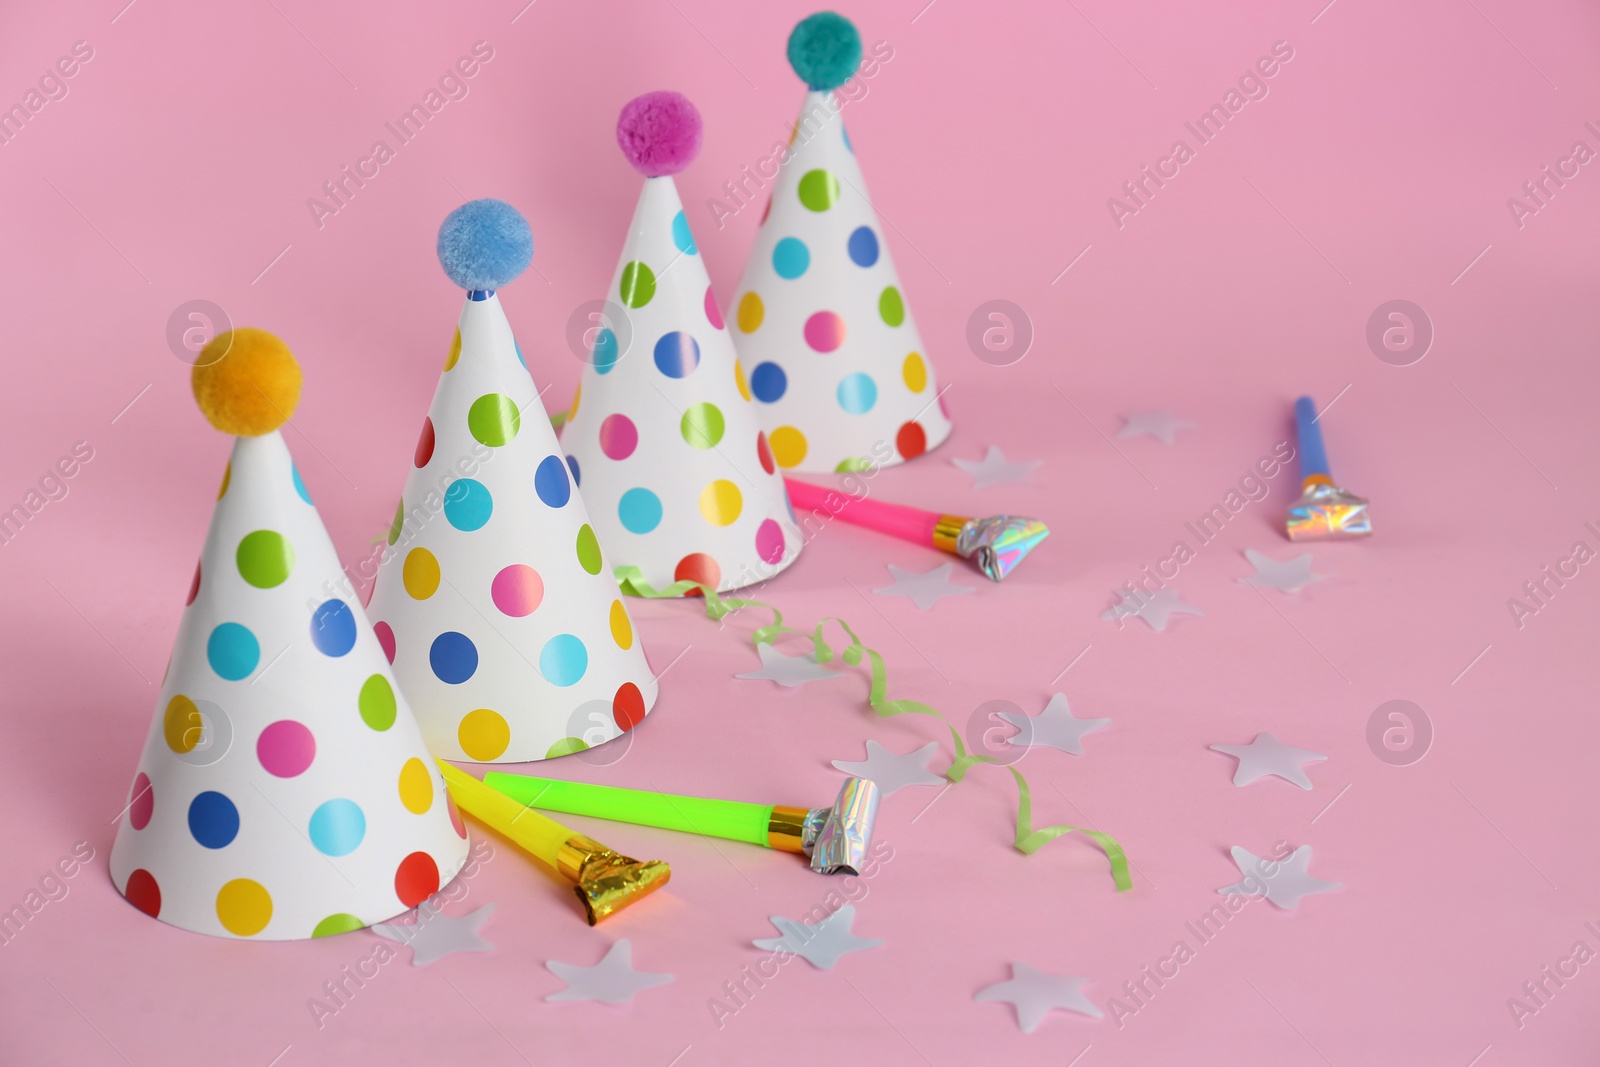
(284, 791)
(839, 373)
(664, 434)
(493, 601)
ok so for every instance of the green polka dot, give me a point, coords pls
(854, 464)
(638, 284)
(819, 190)
(566, 747)
(340, 922)
(891, 307)
(588, 549)
(702, 425)
(494, 419)
(399, 521)
(265, 558)
(377, 703)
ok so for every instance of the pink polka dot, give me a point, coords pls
(713, 313)
(385, 640)
(455, 818)
(769, 541)
(618, 436)
(194, 586)
(285, 748)
(144, 802)
(825, 331)
(517, 590)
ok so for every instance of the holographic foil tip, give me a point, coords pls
(844, 831)
(1000, 542)
(1327, 513)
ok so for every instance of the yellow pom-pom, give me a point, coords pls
(246, 382)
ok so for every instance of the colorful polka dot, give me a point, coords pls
(638, 284)
(143, 892)
(891, 307)
(244, 907)
(738, 379)
(425, 443)
(863, 246)
(621, 626)
(627, 707)
(453, 657)
(790, 257)
(825, 331)
(639, 510)
(915, 373)
(577, 396)
(265, 558)
(399, 521)
(818, 190)
(618, 436)
(713, 312)
(721, 502)
(563, 660)
(182, 725)
(194, 586)
(768, 382)
(385, 634)
(766, 209)
(681, 235)
(286, 748)
(299, 483)
(416, 879)
(769, 541)
(857, 393)
(494, 419)
(565, 747)
(468, 504)
(572, 465)
(213, 820)
(416, 786)
(517, 590)
(764, 453)
(484, 734)
(455, 350)
(227, 476)
(420, 573)
(337, 827)
(788, 446)
(702, 425)
(677, 354)
(551, 483)
(844, 135)
(333, 628)
(588, 549)
(143, 804)
(232, 651)
(910, 440)
(853, 464)
(698, 567)
(751, 312)
(606, 350)
(340, 922)
(518, 349)
(376, 702)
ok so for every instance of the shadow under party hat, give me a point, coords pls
(493, 600)
(284, 790)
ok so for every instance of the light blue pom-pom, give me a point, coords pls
(483, 244)
(825, 50)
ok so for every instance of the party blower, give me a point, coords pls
(995, 544)
(1324, 512)
(605, 881)
(836, 838)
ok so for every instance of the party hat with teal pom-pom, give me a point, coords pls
(681, 478)
(284, 791)
(493, 598)
(821, 321)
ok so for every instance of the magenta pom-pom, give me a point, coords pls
(659, 133)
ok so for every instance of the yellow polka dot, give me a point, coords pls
(788, 446)
(483, 734)
(577, 395)
(182, 725)
(738, 377)
(455, 351)
(621, 626)
(915, 372)
(244, 906)
(227, 476)
(751, 312)
(416, 786)
(721, 502)
(421, 574)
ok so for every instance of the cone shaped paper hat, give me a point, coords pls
(664, 434)
(821, 322)
(500, 615)
(284, 791)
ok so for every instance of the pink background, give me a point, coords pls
(1378, 168)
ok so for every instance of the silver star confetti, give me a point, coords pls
(1055, 727)
(611, 981)
(1034, 994)
(892, 772)
(1290, 576)
(995, 469)
(1156, 609)
(819, 944)
(435, 935)
(1267, 755)
(924, 589)
(1284, 882)
(1162, 425)
(787, 671)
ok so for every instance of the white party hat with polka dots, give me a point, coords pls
(663, 432)
(284, 791)
(840, 377)
(493, 600)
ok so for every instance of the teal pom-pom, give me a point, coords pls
(825, 50)
(483, 244)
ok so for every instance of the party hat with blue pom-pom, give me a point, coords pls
(493, 599)
(821, 321)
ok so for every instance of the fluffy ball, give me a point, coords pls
(825, 50)
(659, 133)
(246, 382)
(483, 244)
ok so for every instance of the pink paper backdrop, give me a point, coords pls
(1378, 166)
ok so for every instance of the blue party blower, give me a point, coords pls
(1324, 511)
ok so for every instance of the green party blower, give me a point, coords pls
(836, 838)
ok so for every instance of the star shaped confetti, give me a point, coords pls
(1034, 994)
(787, 671)
(611, 981)
(435, 935)
(892, 772)
(1267, 755)
(1290, 576)
(1055, 727)
(1162, 425)
(1284, 882)
(995, 469)
(924, 589)
(820, 943)
(1156, 609)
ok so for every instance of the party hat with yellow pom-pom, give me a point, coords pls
(493, 599)
(840, 376)
(284, 791)
(681, 478)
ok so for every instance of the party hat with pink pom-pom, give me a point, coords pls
(840, 376)
(664, 434)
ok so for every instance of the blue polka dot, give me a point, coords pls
(233, 651)
(213, 820)
(677, 354)
(605, 350)
(857, 394)
(453, 657)
(299, 485)
(681, 235)
(519, 353)
(846, 135)
(639, 510)
(864, 246)
(337, 827)
(563, 660)
(768, 382)
(790, 257)
(467, 504)
(333, 628)
(572, 465)
(550, 482)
